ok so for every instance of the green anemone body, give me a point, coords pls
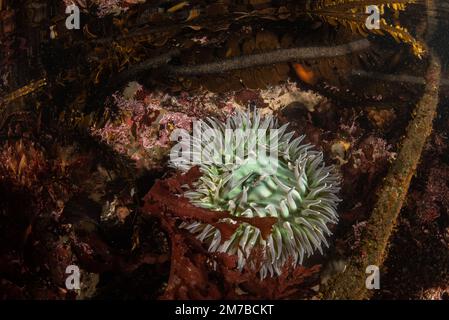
(292, 184)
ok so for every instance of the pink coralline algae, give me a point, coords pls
(104, 7)
(141, 125)
(143, 121)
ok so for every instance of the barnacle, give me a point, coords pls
(285, 179)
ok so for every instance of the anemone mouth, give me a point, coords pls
(284, 179)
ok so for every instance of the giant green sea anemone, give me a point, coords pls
(283, 178)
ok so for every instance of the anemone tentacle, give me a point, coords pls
(285, 178)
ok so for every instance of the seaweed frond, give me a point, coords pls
(352, 14)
